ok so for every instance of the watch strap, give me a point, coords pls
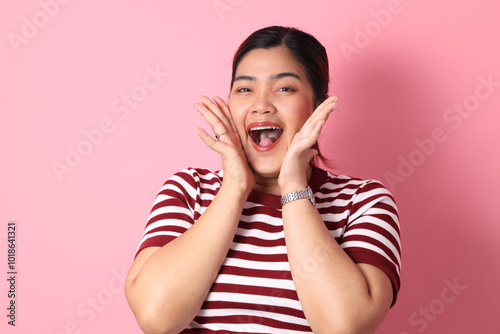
(295, 195)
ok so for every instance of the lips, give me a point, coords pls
(265, 135)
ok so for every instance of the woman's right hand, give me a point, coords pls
(237, 173)
(166, 286)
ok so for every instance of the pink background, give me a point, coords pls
(65, 66)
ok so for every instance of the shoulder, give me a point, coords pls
(199, 173)
(196, 177)
(349, 184)
(190, 183)
(353, 192)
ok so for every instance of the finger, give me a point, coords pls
(326, 105)
(312, 153)
(321, 113)
(217, 125)
(225, 108)
(216, 109)
(331, 99)
(311, 134)
(320, 117)
(208, 140)
(303, 141)
(325, 108)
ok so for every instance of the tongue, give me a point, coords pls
(266, 142)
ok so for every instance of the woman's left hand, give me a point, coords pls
(293, 173)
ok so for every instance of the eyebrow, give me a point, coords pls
(284, 75)
(272, 76)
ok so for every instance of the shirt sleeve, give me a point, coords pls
(372, 232)
(173, 210)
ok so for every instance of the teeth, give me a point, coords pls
(257, 128)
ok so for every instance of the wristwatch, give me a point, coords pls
(305, 193)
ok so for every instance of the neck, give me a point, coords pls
(269, 185)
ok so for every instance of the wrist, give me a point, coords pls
(299, 180)
(305, 193)
(236, 191)
(292, 186)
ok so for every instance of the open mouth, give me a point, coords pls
(265, 135)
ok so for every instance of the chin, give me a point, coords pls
(266, 169)
(268, 174)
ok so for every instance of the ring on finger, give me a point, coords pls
(222, 134)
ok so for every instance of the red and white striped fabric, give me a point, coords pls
(254, 291)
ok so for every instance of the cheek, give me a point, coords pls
(233, 108)
(302, 114)
(298, 121)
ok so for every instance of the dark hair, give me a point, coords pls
(305, 48)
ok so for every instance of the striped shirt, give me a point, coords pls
(254, 291)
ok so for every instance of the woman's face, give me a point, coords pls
(270, 100)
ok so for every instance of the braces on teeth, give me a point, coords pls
(265, 128)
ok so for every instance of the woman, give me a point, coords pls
(272, 244)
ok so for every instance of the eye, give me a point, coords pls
(286, 89)
(243, 90)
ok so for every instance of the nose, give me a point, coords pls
(263, 104)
